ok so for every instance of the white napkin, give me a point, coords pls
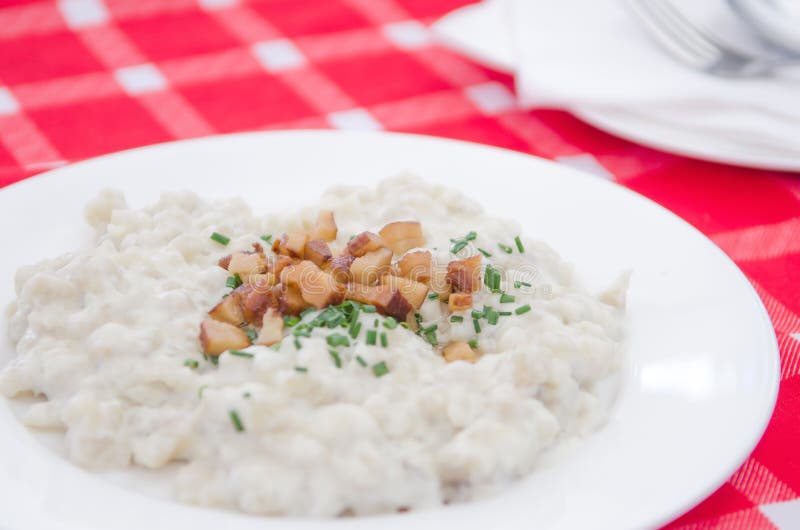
(592, 55)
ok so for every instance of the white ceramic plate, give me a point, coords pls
(700, 380)
(749, 138)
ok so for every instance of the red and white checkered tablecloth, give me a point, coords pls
(80, 78)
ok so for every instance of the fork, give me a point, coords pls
(699, 48)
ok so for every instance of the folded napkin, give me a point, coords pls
(593, 56)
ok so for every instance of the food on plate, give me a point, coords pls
(389, 349)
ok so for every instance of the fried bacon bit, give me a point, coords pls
(271, 328)
(363, 243)
(401, 236)
(415, 265)
(318, 251)
(370, 267)
(465, 275)
(228, 310)
(387, 299)
(459, 351)
(291, 301)
(316, 287)
(340, 267)
(275, 264)
(217, 337)
(460, 302)
(414, 292)
(245, 264)
(325, 228)
(255, 302)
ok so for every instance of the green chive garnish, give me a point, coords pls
(433, 296)
(505, 248)
(368, 308)
(491, 278)
(372, 335)
(306, 311)
(471, 236)
(336, 359)
(301, 369)
(519, 284)
(459, 246)
(384, 339)
(504, 313)
(476, 325)
(240, 353)
(355, 329)
(484, 253)
(476, 314)
(237, 422)
(267, 238)
(506, 298)
(390, 323)
(361, 361)
(473, 343)
(297, 343)
(219, 238)
(337, 339)
(251, 334)
(522, 309)
(456, 318)
(491, 315)
(518, 241)
(191, 363)
(290, 320)
(380, 369)
(234, 281)
(301, 331)
(201, 390)
(276, 347)
(430, 336)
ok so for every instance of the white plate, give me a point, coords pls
(748, 138)
(700, 379)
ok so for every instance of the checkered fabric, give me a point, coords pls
(80, 78)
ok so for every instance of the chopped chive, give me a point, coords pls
(297, 343)
(267, 238)
(371, 336)
(431, 337)
(240, 353)
(276, 347)
(384, 339)
(337, 339)
(380, 369)
(219, 238)
(201, 390)
(433, 296)
(519, 284)
(336, 359)
(504, 313)
(301, 332)
(456, 318)
(459, 246)
(237, 422)
(506, 298)
(213, 359)
(476, 325)
(505, 248)
(246, 395)
(335, 320)
(191, 363)
(376, 323)
(491, 278)
(491, 316)
(251, 334)
(473, 343)
(368, 308)
(476, 314)
(355, 329)
(405, 325)
(471, 236)
(518, 241)
(361, 361)
(522, 309)
(484, 253)
(390, 323)
(306, 311)
(301, 369)
(290, 320)
(234, 281)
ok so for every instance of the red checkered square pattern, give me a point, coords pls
(80, 78)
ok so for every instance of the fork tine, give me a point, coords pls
(666, 33)
(683, 29)
(686, 26)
